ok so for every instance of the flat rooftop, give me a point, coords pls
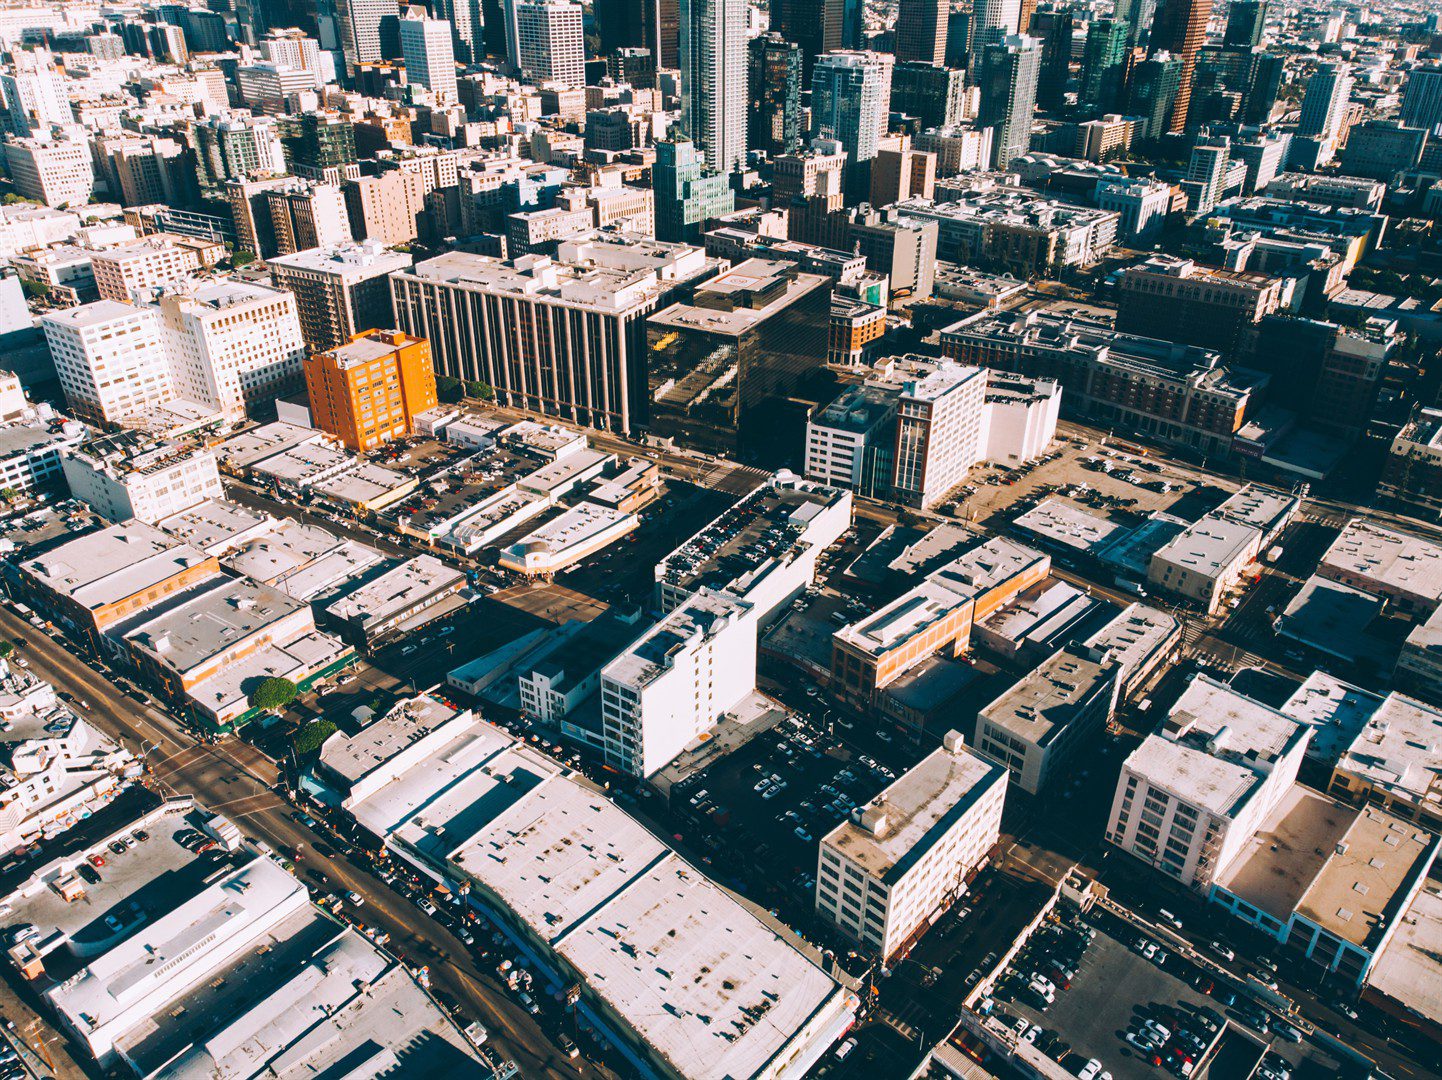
(1342, 868)
(914, 812)
(233, 610)
(100, 568)
(365, 484)
(1044, 703)
(736, 301)
(1067, 525)
(1399, 751)
(1212, 547)
(1135, 635)
(1215, 784)
(1409, 971)
(397, 589)
(1330, 617)
(355, 756)
(253, 446)
(1335, 710)
(1390, 561)
(701, 617)
(216, 525)
(362, 260)
(1264, 508)
(1207, 707)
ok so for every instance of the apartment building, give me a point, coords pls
(1190, 797)
(305, 215)
(52, 171)
(131, 475)
(151, 261)
(562, 335)
(110, 358)
(340, 291)
(1036, 727)
(933, 617)
(388, 208)
(675, 682)
(232, 346)
(903, 858)
(940, 428)
(369, 390)
(1183, 301)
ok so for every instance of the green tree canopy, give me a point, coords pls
(480, 390)
(242, 258)
(6, 648)
(309, 738)
(448, 388)
(274, 694)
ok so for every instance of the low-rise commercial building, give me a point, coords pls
(1404, 570)
(597, 902)
(1037, 726)
(1393, 763)
(400, 600)
(1413, 473)
(935, 616)
(563, 541)
(903, 858)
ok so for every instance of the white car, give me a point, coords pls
(1031, 1033)
(1222, 951)
(1090, 1070)
(355, 898)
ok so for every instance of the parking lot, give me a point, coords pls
(994, 493)
(1132, 1006)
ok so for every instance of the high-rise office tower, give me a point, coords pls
(851, 103)
(620, 24)
(429, 54)
(1008, 78)
(1205, 171)
(35, 92)
(993, 21)
(551, 41)
(495, 35)
(1152, 92)
(958, 38)
(1138, 14)
(921, 30)
(467, 28)
(1180, 28)
(663, 32)
(687, 196)
(775, 99)
(1263, 88)
(360, 29)
(1054, 30)
(713, 79)
(1104, 64)
(1325, 102)
(1246, 19)
(935, 95)
(818, 26)
(1422, 98)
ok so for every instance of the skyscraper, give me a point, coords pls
(1422, 98)
(1152, 92)
(713, 79)
(775, 99)
(851, 103)
(921, 30)
(1138, 14)
(1325, 102)
(993, 20)
(663, 32)
(1054, 30)
(818, 26)
(620, 24)
(551, 43)
(429, 54)
(1262, 88)
(933, 94)
(1103, 64)
(1205, 170)
(1246, 19)
(1008, 77)
(1180, 28)
(360, 29)
(467, 28)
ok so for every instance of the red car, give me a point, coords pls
(97, 860)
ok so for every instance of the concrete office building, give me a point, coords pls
(340, 291)
(52, 171)
(940, 429)
(552, 44)
(1191, 797)
(123, 271)
(130, 475)
(232, 346)
(675, 682)
(360, 29)
(1422, 97)
(110, 358)
(428, 53)
(851, 103)
(903, 858)
(1181, 300)
(921, 30)
(594, 296)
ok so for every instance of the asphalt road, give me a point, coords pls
(236, 779)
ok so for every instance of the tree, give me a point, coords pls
(448, 388)
(242, 258)
(309, 738)
(35, 288)
(480, 390)
(9, 494)
(6, 648)
(274, 694)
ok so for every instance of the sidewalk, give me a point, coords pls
(44, 1051)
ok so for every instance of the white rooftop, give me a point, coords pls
(1400, 751)
(1390, 561)
(103, 567)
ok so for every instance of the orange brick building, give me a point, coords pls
(367, 391)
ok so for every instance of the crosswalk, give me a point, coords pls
(732, 479)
